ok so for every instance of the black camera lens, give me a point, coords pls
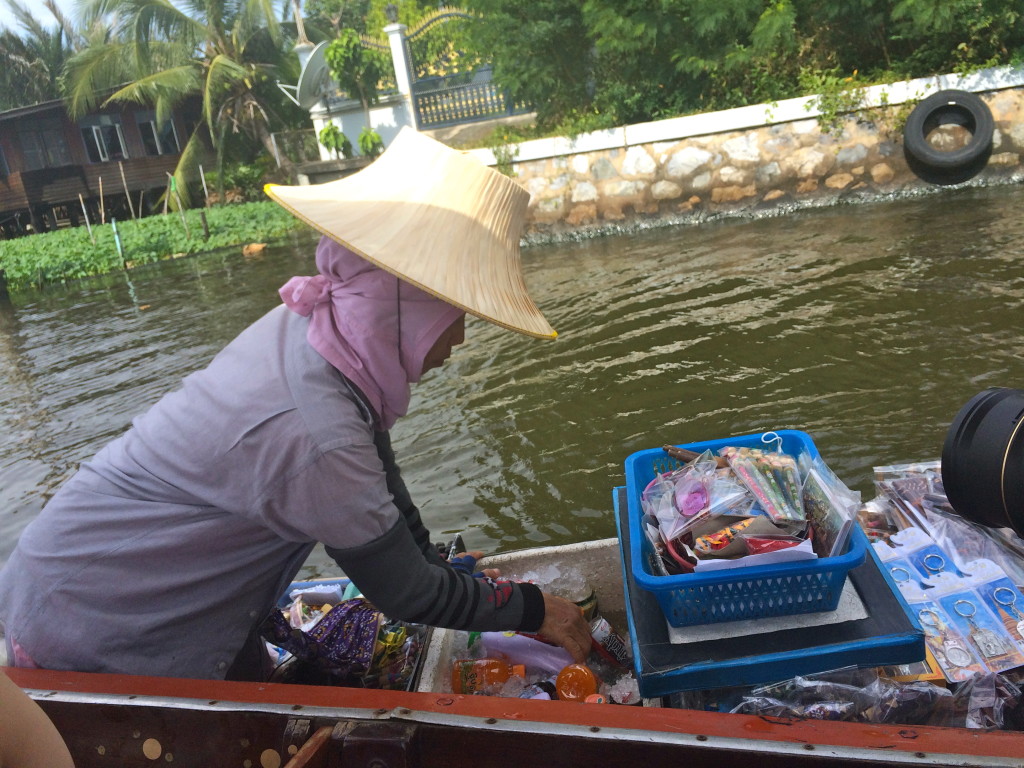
(983, 459)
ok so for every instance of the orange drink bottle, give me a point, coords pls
(576, 682)
(482, 675)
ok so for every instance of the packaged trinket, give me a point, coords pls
(970, 613)
(874, 520)
(829, 505)
(689, 495)
(911, 553)
(951, 650)
(754, 471)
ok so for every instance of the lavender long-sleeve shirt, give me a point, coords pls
(164, 551)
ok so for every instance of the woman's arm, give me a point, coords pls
(27, 737)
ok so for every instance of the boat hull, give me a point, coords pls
(124, 720)
(115, 720)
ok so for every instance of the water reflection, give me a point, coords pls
(867, 326)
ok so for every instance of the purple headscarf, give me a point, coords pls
(354, 324)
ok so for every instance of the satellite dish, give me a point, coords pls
(315, 80)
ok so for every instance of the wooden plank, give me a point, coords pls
(12, 193)
(313, 754)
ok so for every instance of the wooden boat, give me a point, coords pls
(120, 720)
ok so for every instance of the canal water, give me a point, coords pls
(867, 326)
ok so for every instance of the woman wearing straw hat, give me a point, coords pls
(164, 554)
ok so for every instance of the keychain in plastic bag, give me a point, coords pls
(922, 553)
(1000, 595)
(899, 568)
(1006, 599)
(950, 649)
(972, 618)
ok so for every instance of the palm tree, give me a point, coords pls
(34, 59)
(225, 52)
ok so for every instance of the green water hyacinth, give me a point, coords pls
(71, 254)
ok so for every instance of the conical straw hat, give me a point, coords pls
(435, 217)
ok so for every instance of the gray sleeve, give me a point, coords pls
(400, 494)
(393, 574)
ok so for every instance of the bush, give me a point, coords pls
(335, 141)
(370, 142)
(242, 182)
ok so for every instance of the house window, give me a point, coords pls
(158, 142)
(104, 140)
(44, 147)
(4, 170)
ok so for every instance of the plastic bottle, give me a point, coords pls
(520, 649)
(480, 675)
(576, 682)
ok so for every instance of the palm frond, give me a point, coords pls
(162, 20)
(256, 16)
(150, 89)
(26, 19)
(223, 75)
(187, 168)
(66, 26)
(92, 72)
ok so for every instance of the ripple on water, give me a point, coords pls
(866, 325)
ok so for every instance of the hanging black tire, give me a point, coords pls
(948, 107)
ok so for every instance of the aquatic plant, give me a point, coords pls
(74, 253)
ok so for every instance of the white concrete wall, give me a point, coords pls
(386, 117)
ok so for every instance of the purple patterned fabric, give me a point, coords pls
(342, 642)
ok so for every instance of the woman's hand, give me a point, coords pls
(564, 625)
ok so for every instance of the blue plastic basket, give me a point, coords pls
(783, 589)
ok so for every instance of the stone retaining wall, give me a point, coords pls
(780, 165)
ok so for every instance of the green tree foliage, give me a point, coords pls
(36, 53)
(227, 53)
(541, 51)
(370, 142)
(619, 61)
(355, 68)
(437, 43)
(326, 18)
